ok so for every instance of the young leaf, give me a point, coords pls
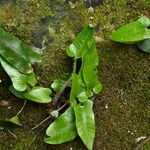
(85, 122)
(83, 111)
(16, 46)
(57, 85)
(63, 129)
(20, 81)
(10, 123)
(54, 113)
(133, 32)
(39, 95)
(145, 21)
(15, 120)
(77, 90)
(144, 45)
(89, 70)
(77, 48)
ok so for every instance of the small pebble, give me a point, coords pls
(90, 9)
(9, 107)
(99, 39)
(72, 5)
(4, 103)
(91, 18)
(106, 106)
(140, 138)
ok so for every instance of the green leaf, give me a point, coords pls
(14, 59)
(83, 111)
(57, 85)
(39, 95)
(17, 53)
(147, 1)
(15, 120)
(20, 81)
(133, 32)
(10, 123)
(77, 90)
(146, 146)
(90, 62)
(62, 129)
(145, 21)
(144, 45)
(16, 93)
(76, 49)
(85, 122)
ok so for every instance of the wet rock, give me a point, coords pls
(45, 21)
(38, 37)
(4, 2)
(93, 3)
(38, 43)
(22, 4)
(40, 32)
(49, 40)
(61, 13)
(113, 20)
(72, 5)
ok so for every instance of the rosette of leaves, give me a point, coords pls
(78, 119)
(17, 58)
(135, 32)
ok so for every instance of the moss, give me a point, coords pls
(25, 18)
(122, 109)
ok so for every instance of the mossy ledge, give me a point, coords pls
(122, 110)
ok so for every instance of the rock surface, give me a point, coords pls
(122, 110)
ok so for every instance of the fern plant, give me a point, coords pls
(17, 58)
(78, 119)
(135, 32)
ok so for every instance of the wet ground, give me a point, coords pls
(122, 110)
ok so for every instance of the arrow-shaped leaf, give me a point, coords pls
(14, 59)
(63, 129)
(20, 81)
(89, 70)
(39, 95)
(133, 32)
(77, 48)
(17, 53)
(15, 120)
(57, 85)
(77, 90)
(85, 122)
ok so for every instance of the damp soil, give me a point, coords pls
(122, 109)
